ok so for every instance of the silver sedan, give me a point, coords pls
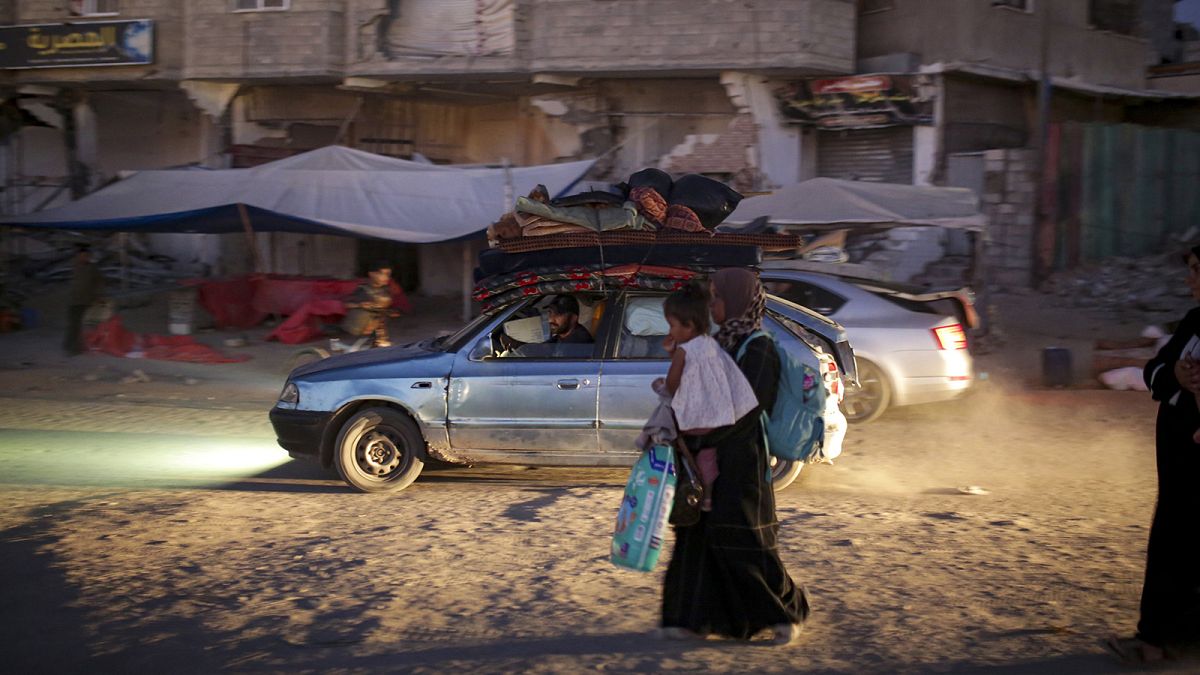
(910, 344)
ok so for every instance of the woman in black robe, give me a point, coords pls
(1169, 626)
(725, 575)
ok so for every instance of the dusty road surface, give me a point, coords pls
(176, 538)
(155, 527)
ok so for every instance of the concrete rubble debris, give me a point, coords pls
(1148, 288)
(136, 376)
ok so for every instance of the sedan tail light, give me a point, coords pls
(950, 337)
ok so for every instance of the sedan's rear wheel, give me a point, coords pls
(379, 450)
(784, 472)
(871, 398)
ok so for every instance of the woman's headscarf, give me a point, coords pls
(744, 301)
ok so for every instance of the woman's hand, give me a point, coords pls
(1187, 372)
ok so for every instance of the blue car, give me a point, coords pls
(468, 398)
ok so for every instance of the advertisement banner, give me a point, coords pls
(857, 102)
(73, 45)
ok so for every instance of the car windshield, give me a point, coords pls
(453, 342)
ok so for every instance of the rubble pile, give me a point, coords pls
(1151, 288)
(41, 259)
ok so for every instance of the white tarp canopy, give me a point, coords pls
(332, 190)
(830, 201)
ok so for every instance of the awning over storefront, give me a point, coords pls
(830, 201)
(332, 190)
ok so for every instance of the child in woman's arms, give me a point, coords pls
(708, 389)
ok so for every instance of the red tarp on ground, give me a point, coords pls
(111, 337)
(243, 302)
(307, 322)
(282, 296)
(230, 301)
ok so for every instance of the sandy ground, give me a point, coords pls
(154, 527)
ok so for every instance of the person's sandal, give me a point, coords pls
(786, 633)
(1134, 651)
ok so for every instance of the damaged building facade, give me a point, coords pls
(759, 93)
(1041, 108)
(680, 84)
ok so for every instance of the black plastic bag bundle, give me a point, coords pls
(651, 178)
(712, 200)
(598, 198)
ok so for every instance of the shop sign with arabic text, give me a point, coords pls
(857, 102)
(70, 45)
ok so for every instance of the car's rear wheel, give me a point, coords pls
(379, 450)
(784, 472)
(873, 395)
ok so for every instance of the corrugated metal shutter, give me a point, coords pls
(876, 155)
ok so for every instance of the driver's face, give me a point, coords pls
(561, 323)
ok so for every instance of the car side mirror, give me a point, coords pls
(482, 349)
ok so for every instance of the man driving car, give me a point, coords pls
(563, 315)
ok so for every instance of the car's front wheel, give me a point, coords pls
(379, 450)
(784, 472)
(871, 398)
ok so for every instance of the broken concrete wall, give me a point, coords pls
(730, 155)
(1009, 202)
(920, 255)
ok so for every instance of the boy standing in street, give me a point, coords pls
(367, 308)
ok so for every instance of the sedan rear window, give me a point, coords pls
(807, 295)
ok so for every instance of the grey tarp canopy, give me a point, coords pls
(830, 201)
(332, 190)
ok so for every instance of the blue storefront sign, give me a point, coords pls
(74, 45)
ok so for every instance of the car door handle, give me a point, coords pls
(422, 385)
(568, 384)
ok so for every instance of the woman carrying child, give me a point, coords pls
(706, 387)
(725, 576)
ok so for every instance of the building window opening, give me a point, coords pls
(1020, 5)
(260, 5)
(1116, 16)
(93, 7)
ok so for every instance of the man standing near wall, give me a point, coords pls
(87, 285)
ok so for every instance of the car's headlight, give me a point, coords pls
(290, 394)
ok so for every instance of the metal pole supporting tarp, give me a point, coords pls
(251, 240)
(467, 280)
